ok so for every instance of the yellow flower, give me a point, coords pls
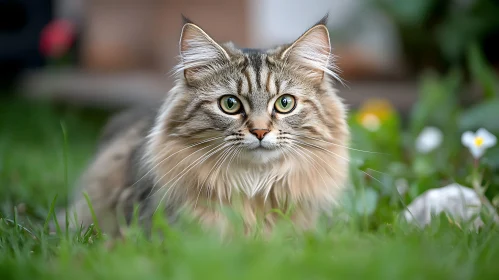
(373, 113)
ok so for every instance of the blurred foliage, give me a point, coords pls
(32, 165)
(438, 33)
(390, 172)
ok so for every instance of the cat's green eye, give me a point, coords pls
(230, 104)
(285, 104)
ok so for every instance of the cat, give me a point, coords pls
(248, 129)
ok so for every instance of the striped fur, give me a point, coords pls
(195, 157)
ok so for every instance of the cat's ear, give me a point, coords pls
(312, 52)
(199, 52)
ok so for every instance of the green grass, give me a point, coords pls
(34, 164)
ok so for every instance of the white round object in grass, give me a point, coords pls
(459, 202)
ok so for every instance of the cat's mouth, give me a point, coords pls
(260, 147)
(263, 153)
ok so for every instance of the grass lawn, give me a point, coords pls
(37, 163)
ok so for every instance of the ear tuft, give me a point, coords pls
(199, 53)
(185, 20)
(312, 52)
(323, 20)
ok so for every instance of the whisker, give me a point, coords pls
(190, 146)
(336, 144)
(372, 177)
(337, 172)
(221, 156)
(196, 162)
(236, 155)
(377, 171)
(330, 152)
(200, 186)
(320, 148)
(188, 168)
(312, 162)
(185, 158)
(230, 151)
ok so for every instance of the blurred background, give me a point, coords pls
(117, 53)
(65, 65)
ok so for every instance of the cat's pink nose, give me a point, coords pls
(259, 133)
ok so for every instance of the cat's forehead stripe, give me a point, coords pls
(267, 83)
(248, 80)
(255, 60)
(257, 73)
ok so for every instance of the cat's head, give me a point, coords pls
(264, 103)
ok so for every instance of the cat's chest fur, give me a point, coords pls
(252, 192)
(219, 182)
(250, 181)
(255, 192)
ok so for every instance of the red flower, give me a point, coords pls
(56, 38)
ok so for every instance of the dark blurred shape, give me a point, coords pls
(438, 33)
(490, 47)
(13, 17)
(20, 24)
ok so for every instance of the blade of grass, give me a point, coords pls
(16, 220)
(92, 212)
(57, 226)
(19, 227)
(66, 184)
(51, 213)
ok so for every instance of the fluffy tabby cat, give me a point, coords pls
(252, 130)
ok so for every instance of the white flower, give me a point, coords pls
(478, 142)
(371, 122)
(429, 139)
